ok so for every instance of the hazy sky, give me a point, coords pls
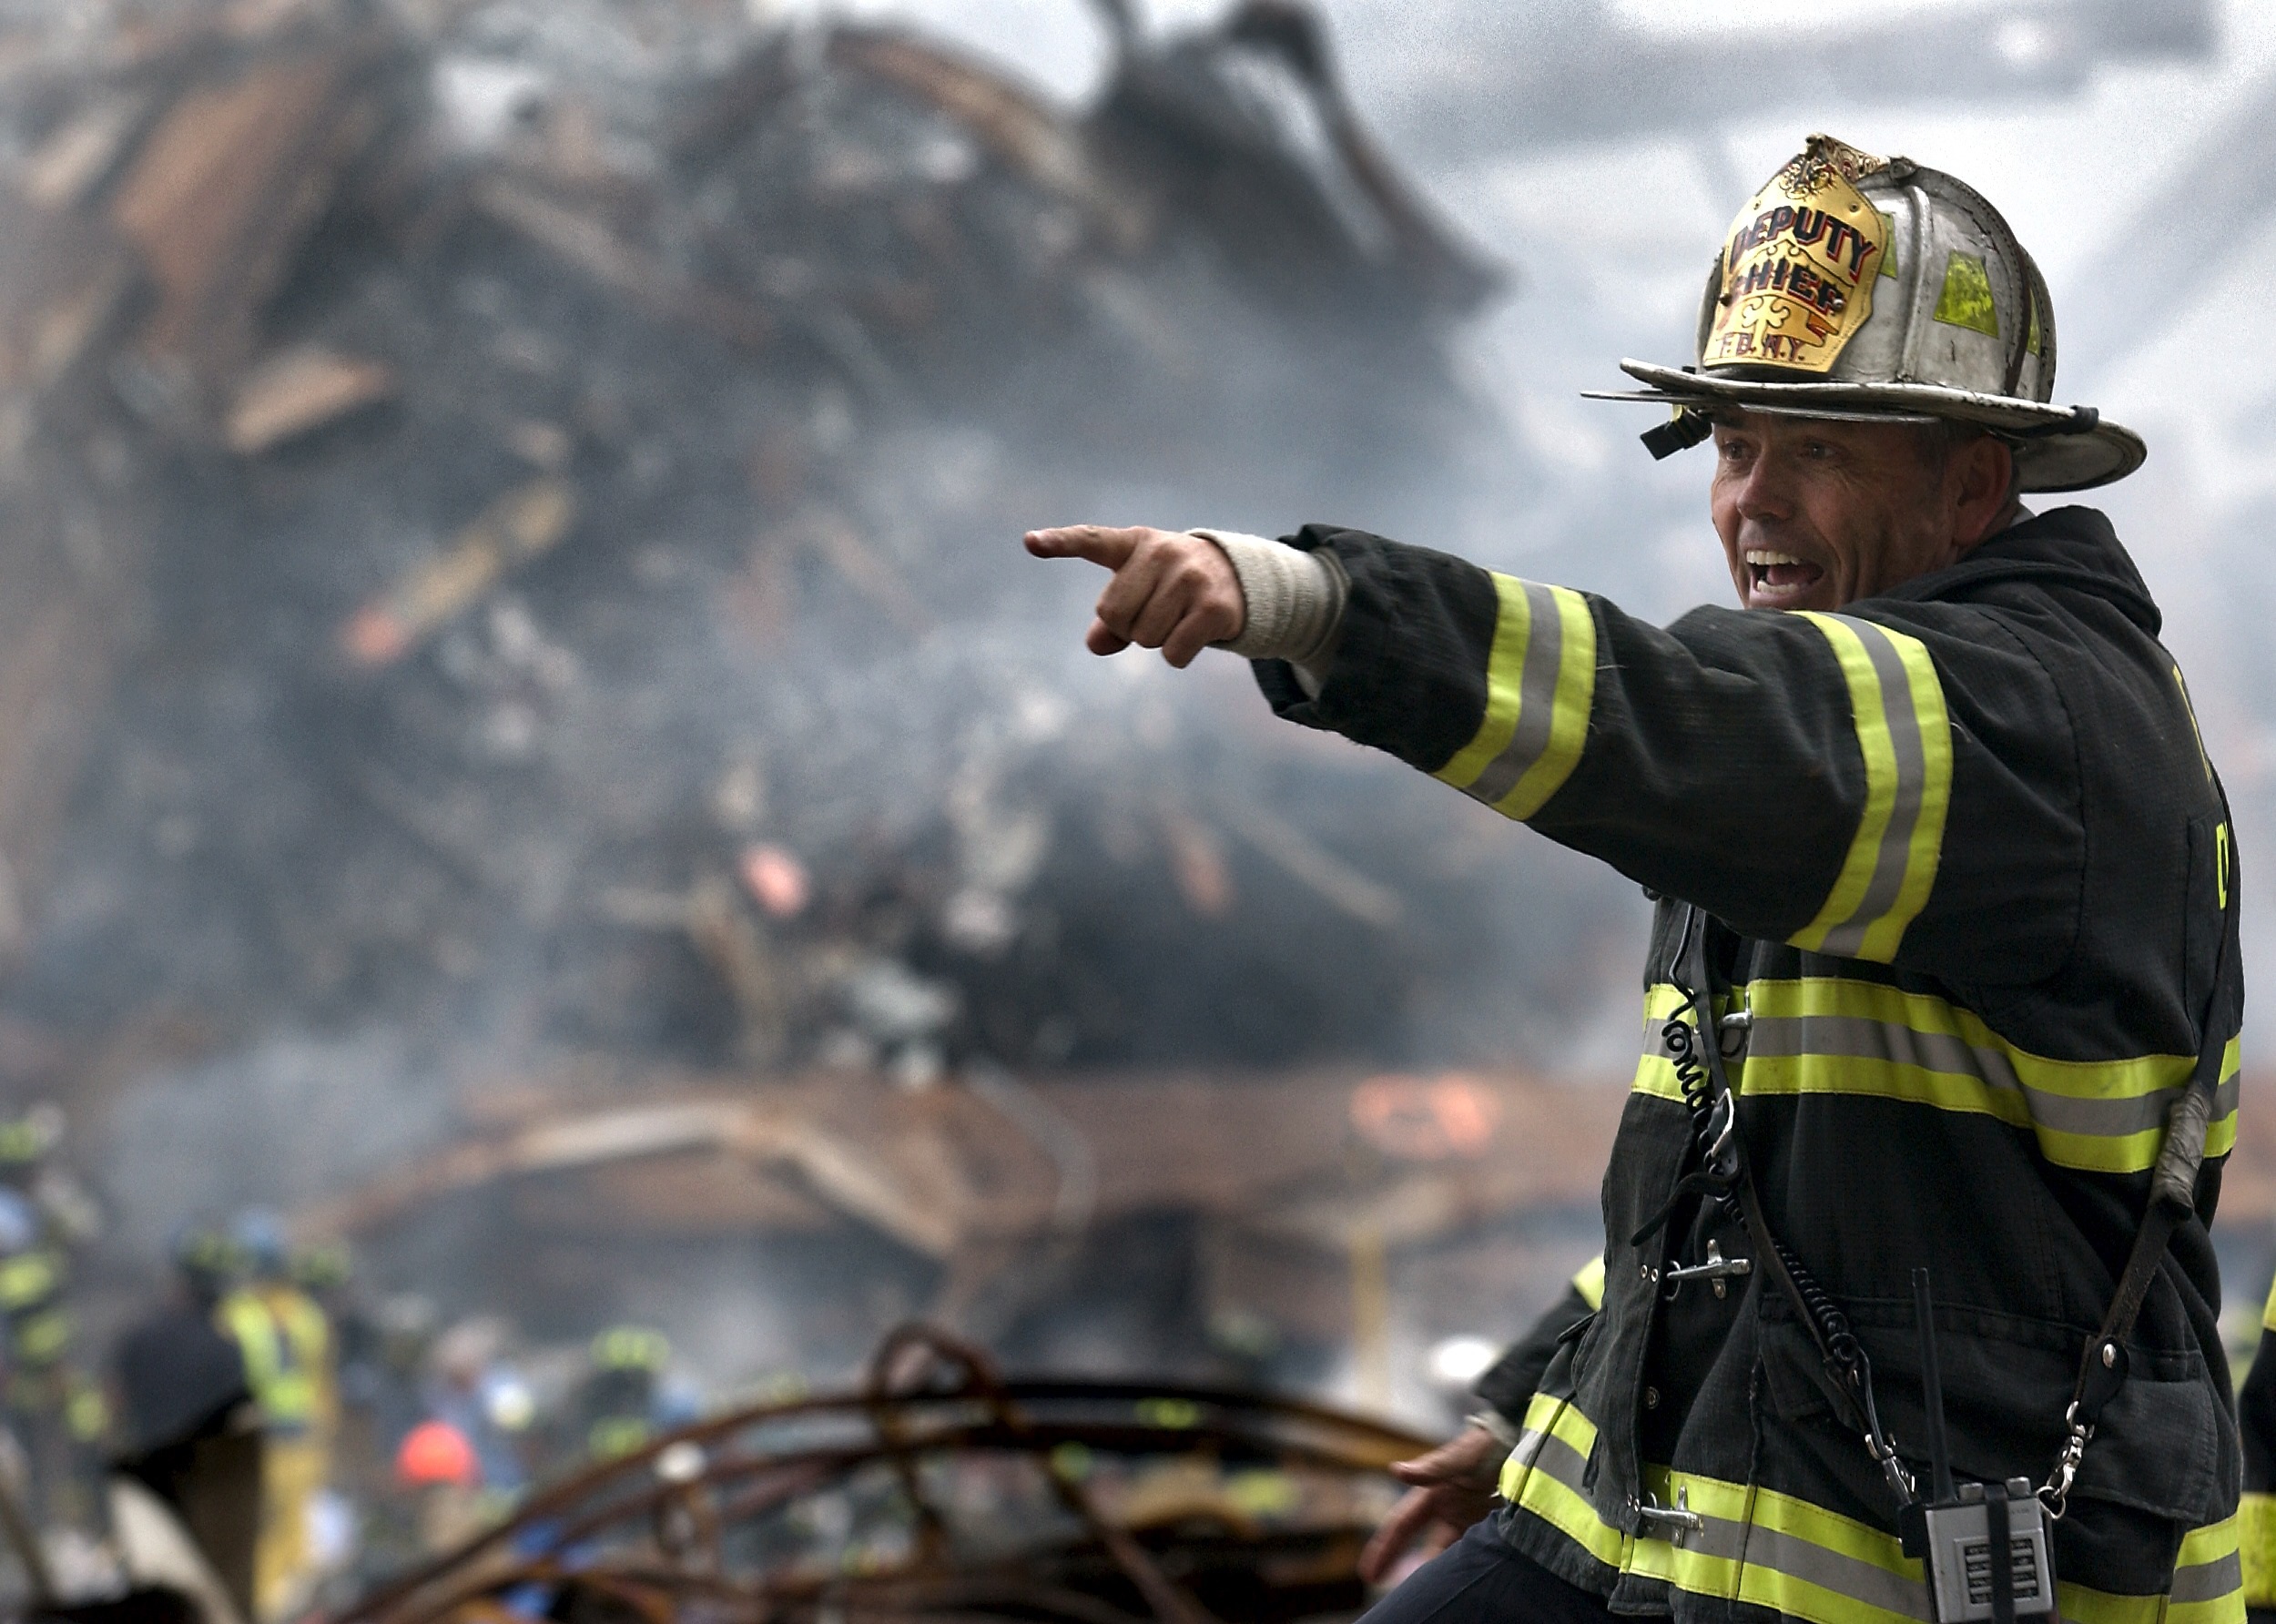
(1612, 240)
(2069, 174)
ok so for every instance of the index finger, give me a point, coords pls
(1102, 545)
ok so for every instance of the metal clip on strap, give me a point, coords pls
(1716, 1270)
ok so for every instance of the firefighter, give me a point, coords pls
(191, 1435)
(287, 1345)
(2256, 1517)
(626, 1399)
(56, 1409)
(1942, 975)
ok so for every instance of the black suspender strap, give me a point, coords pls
(2102, 1366)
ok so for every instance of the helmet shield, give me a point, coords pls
(1794, 281)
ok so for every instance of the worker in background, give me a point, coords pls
(56, 1408)
(1943, 974)
(191, 1432)
(627, 1399)
(287, 1345)
(474, 1388)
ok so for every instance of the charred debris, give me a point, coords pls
(510, 543)
(937, 1490)
(512, 519)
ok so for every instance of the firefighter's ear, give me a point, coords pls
(1980, 485)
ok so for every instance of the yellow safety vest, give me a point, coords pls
(286, 1347)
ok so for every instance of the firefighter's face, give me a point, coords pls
(1816, 513)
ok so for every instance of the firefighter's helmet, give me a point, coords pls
(1876, 289)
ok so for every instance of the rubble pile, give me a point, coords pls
(520, 507)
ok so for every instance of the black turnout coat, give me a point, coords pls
(1970, 870)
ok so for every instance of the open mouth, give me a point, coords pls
(1774, 579)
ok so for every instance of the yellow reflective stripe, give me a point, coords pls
(29, 1276)
(1905, 739)
(2256, 1548)
(1543, 1475)
(2196, 733)
(1830, 1035)
(2079, 1605)
(1540, 681)
(282, 1345)
(1590, 1283)
(1768, 1549)
(2207, 1585)
(1655, 1072)
(43, 1337)
(1774, 1550)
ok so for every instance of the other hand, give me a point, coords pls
(1170, 591)
(1448, 1490)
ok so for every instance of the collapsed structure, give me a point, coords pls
(510, 544)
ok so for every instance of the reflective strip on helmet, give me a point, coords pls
(1763, 1549)
(1590, 1283)
(1906, 740)
(1825, 1035)
(2268, 1309)
(1541, 680)
(2256, 1548)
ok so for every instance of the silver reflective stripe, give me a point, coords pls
(1847, 939)
(1547, 1453)
(1537, 697)
(1859, 1037)
(2209, 1581)
(1831, 1570)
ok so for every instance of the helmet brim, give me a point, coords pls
(2056, 448)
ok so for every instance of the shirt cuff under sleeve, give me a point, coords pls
(1294, 603)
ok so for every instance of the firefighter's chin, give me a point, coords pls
(1776, 580)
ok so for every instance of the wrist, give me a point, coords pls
(1495, 1426)
(1292, 602)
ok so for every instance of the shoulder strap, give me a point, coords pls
(2172, 1183)
(1728, 1168)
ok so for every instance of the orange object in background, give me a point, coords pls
(1439, 1120)
(435, 1452)
(775, 879)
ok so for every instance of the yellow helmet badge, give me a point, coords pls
(1799, 265)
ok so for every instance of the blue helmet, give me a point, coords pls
(258, 1234)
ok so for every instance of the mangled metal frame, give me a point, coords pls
(653, 1538)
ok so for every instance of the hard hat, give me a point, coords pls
(325, 1267)
(435, 1452)
(203, 1255)
(25, 1139)
(1878, 290)
(259, 1236)
(631, 1347)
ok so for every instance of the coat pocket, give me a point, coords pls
(2212, 869)
(2165, 1444)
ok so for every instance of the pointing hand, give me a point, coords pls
(1170, 591)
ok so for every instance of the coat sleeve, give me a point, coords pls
(2256, 1513)
(1800, 776)
(1508, 1386)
